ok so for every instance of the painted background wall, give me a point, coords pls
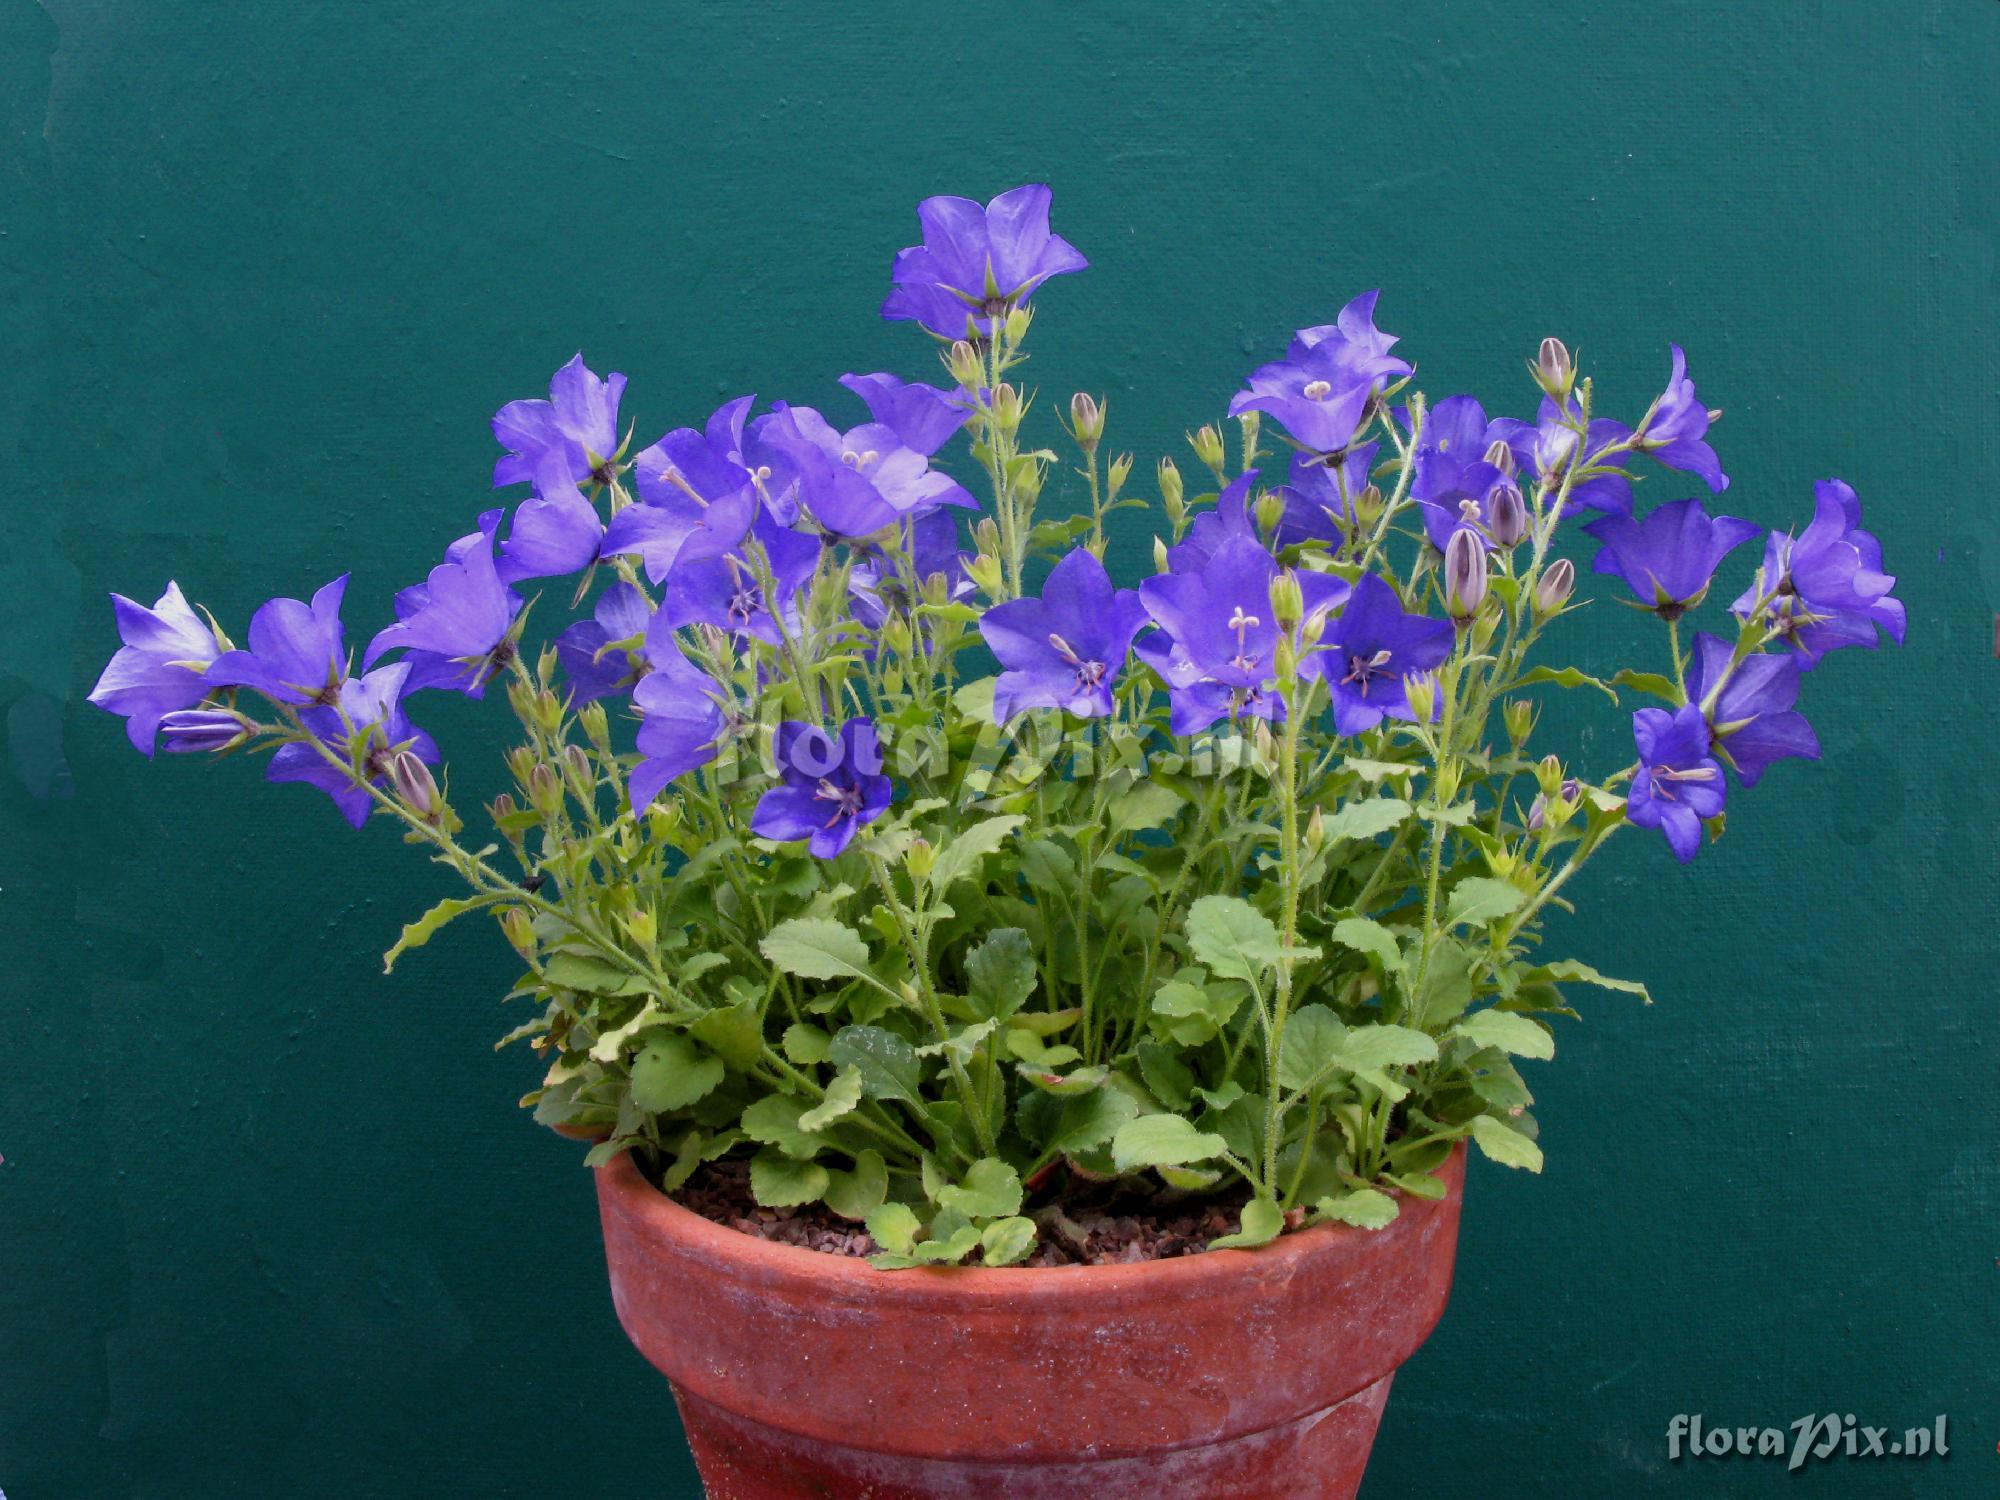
(268, 1222)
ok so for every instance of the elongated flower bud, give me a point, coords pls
(1086, 421)
(1555, 587)
(1159, 556)
(414, 783)
(1464, 574)
(1172, 492)
(1368, 506)
(202, 731)
(1420, 692)
(1288, 604)
(1007, 406)
(1116, 475)
(1207, 444)
(1506, 514)
(1553, 370)
(1270, 511)
(963, 362)
(1538, 814)
(1500, 456)
(1519, 716)
(595, 725)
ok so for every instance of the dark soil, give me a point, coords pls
(1086, 1224)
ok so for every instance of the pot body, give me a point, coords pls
(1233, 1375)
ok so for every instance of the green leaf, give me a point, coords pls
(1147, 804)
(774, 1121)
(1509, 1032)
(1367, 1047)
(670, 1073)
(843, 1096)
(687, 1156)
(1447, 984)
(1001, 973)
(1367, 818)
(888, 1065)
(1479, 899)
(1197, 1010)
(1162, 1140)
(991, 1190)
(609, 1150)
(1508, 1147)
(1262, 1221)
(1566, 677)
(1365, 935)
(1311, 1048)
(1567, 969)
(421, 931)
(590, 976)
(1232, 937)
(735, 1032)
(961, 852)
(608, 1046)
(1089, 1120)
(895, 1227)
(777, 1181)
(1170, 1079)
(806, 1045)
(858, 1193)
(1648, 682)
(975, 701)
(1364, 1208)
(1005, 1241)
(1375, 770)
(817, 948)
(950, 1250)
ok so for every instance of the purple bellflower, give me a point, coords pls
(860, 481)
(681, 724)
(1368, 652)
(295, 654)
(1319, 495)
(1679, 783)
(829, 789)
(1319, 392)
(1669, 558)
(555, 533)
(1231, 517)
(159, 668)
(1675, 430)
(1065, 649)
(1545, 448)
(1825, 589)
(922, 416)
(728, 589)
(577, 426)
(370, 706)
(975, 263)
(1751, 722)
(457, 627)
(597, 654)
(1219, 652)
(698, 494)
(927, 548)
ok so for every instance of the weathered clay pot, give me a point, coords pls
(1233, 1375)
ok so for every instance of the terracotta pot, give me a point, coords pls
(1233, 1375)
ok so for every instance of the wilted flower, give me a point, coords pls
(1065, 649)
(975, 263)
(829, 788)
(1679, 784)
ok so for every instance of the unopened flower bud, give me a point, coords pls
(962, 360)
(520, 764)
(1420, 690)
(1316, 830)
(1252, 423)
(1086, 421)
(1464, 574)
(1159, 556)
(1500, 456)
(1288, 603)
(1556, 585)
(1552, 369)
(1264, 741)
(1549, 773)
(502, 806)
(1207, 445)
(519, 931)
(544, 790)
(1270, 511)
(1368, 506)
(1538, 814)
(414, 783)
(1116, 475)
(1572, 791)
(1506, 514)
(984, 571)
(596, 726)
(920, 857)
(1172, 492)
(1007, 406)
(203, 731)
(1519, 716)
(1285, 660)
(1016, 326)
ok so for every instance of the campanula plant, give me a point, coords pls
(868, 825)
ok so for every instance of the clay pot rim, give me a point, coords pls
(1184, 1275)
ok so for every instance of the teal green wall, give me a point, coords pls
(269, 1224)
